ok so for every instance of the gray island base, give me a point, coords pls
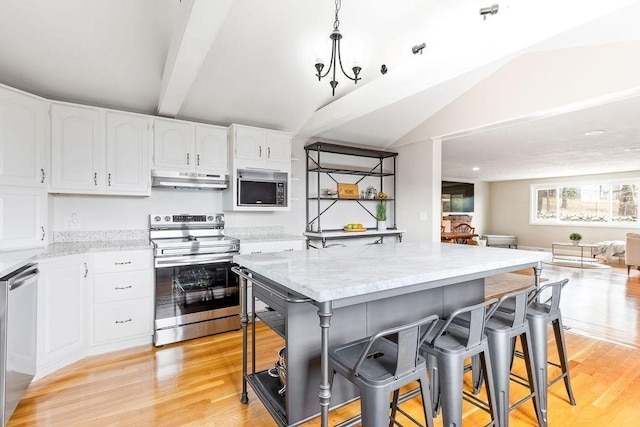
(324, 297)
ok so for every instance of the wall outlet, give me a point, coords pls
(72, 222)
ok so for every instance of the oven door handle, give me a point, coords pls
(191, 260)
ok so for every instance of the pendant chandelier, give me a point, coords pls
(335, 57)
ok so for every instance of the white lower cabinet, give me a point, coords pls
(122, 300)
(260, 247)
(93, 303)
(62, 303)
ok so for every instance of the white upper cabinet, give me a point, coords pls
(211, 149)
(23, 142)
(173, 145)
(187, 147)
(95, 151)
(23, 218)
(260, 148)
(77, 149)
(128, 169)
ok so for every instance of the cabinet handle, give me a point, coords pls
(122, 263)
(260, 151)
(86, 270)
(121, 288)
(198, 159)
(123, 321)
(109, 180)
(268, 152)
(95, 179)
(43, 175)
(43, 232)
(187, 158)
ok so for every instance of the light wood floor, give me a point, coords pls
(198, 382)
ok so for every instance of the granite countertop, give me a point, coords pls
(266, 237)
(343, 272)
(12, 260)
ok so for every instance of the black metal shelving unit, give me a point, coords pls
(383, 165)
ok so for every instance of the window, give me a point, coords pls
(586, 203)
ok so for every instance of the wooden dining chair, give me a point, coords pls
(463, 227)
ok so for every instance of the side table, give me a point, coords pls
(573, 252)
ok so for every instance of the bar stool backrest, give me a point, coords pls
(517, 303)
(553, 302)
(476, 319)
(409, 341)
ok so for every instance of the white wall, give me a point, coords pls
(419, 190)
(509, 214)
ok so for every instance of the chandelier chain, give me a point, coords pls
(336, 23)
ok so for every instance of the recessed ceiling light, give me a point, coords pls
(475, 168)
(632, 149)
(594, 132)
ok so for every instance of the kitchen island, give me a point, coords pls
(354, 292)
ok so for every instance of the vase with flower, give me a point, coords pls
(381, 211)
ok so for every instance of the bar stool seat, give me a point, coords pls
(445, 348)
(379, 366)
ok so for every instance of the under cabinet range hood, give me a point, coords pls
(188, 180)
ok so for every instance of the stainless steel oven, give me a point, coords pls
(196, 292)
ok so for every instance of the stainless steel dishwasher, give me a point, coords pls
(18, 314)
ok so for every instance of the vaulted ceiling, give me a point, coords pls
(251, 62)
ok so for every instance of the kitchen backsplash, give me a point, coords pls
(101, 235)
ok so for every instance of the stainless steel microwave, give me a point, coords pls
(261, 188)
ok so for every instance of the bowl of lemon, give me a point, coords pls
(354, 227)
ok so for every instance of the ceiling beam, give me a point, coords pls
(196, 30)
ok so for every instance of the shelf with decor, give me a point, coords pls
(339, 175)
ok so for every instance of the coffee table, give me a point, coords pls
(563, 251)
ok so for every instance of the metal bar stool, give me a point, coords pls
(539, 315)
(445, 348)
(506, 321)
(379, 366)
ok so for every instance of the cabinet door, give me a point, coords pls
(250, 143)
(211, 149)
(22, 140)
(61, 309)
(278, 147)
(128, 168)
(23, 215)
(77, 149)
(173, 145)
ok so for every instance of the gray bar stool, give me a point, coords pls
(379, 366)
(445, 348)
(539, 315)
(506, 321)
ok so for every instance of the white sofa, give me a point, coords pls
(632, 251)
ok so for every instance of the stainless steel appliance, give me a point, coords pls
(262, 188)
(18, 314)
(190, 180)
(196, 292)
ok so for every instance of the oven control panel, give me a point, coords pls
(186, 219)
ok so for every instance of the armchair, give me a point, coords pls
(632, 251)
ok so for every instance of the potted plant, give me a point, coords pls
(575, 238)
(381, 210)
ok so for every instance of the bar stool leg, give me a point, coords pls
(451, 370)
(562, 353)
(434, 377)
(500, 350)
(538, 329)
(486, 361)
(375, 407)
(533, 385)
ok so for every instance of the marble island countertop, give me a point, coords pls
(342, 272)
